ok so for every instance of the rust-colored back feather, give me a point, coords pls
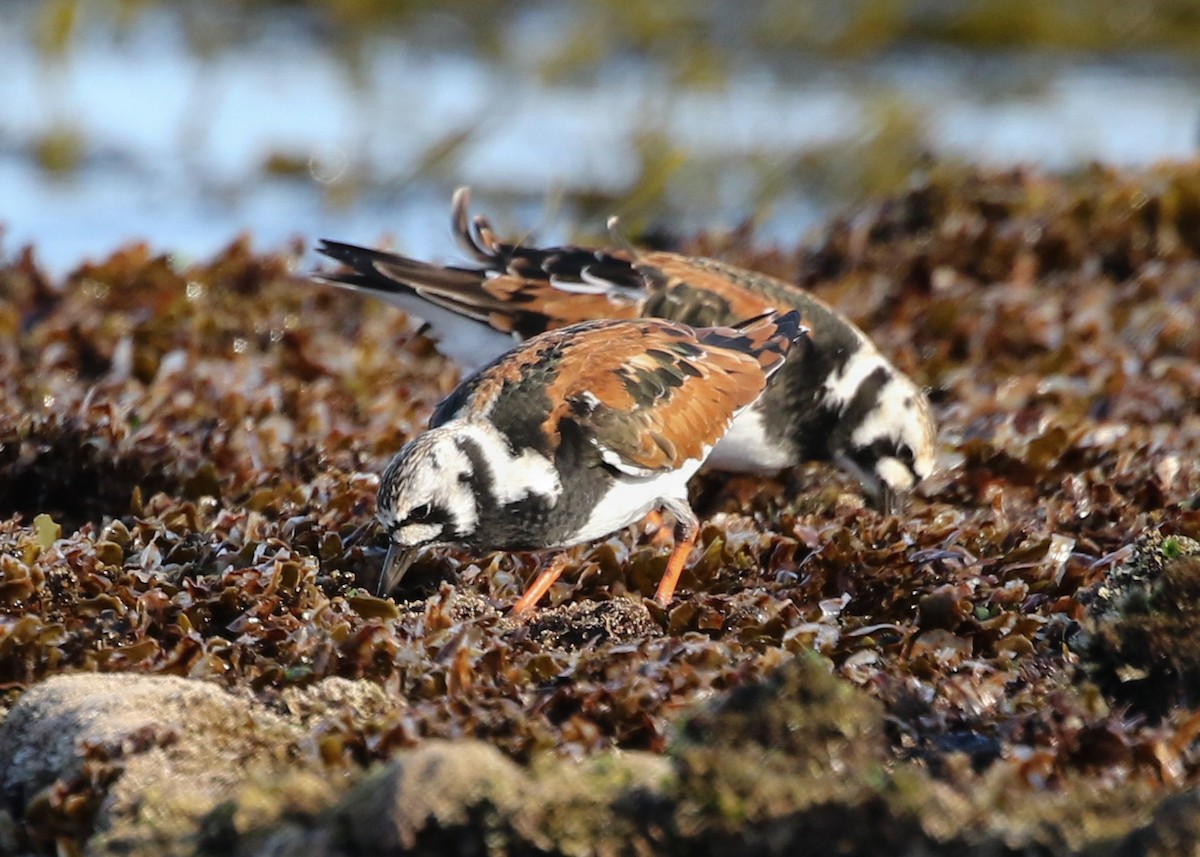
(648, 394)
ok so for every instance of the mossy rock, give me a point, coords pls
(792, 761)
(1148, 655)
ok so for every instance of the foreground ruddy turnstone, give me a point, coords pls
(842, 401)
(574, 434)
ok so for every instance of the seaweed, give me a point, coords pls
(189, 456)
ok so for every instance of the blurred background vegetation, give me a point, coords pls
(184, 122)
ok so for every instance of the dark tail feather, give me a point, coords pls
(376, 270)
(361, 259)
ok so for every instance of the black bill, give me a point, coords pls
(395, 564)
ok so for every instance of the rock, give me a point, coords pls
(361, 700)
(793, 763)
(801, 712)
(465, 797)
(275, 812)
(1146, 654)
(603, 805)
(141, 757)
(1174, 830)
(293, 840)
(1128, 588)
(443, 794)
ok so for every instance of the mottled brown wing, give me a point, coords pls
(651, 395)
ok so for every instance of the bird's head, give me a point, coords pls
(425, 498)
(894, 446)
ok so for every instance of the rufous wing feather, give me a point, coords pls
(651, 394)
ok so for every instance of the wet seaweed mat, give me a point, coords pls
(186, 454)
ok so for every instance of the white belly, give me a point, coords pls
(745, 448)
(628, 501)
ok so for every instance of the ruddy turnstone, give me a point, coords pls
(574, 434)
(841, 401)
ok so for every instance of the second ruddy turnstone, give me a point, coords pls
(840, 401)
(574, 434)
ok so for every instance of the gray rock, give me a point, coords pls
(465, 797)
(440, 785)
(361, 699)
(181, 746)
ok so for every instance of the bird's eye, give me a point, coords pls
(421, 513)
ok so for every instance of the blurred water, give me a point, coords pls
(175, 140)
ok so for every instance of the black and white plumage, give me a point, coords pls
(841, 401)
(574, 434)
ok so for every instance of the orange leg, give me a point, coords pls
(541, 585)
(686, 530)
